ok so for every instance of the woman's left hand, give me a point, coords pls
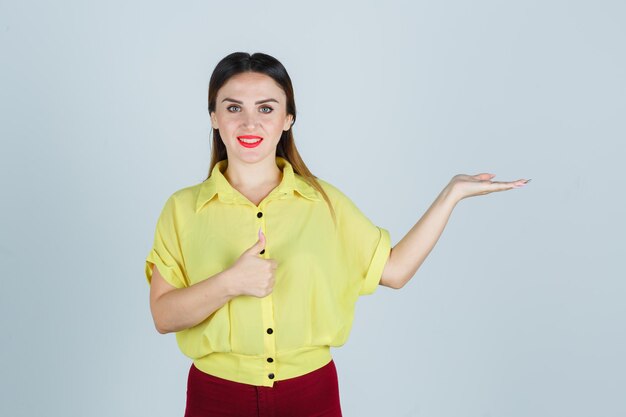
(462, 186)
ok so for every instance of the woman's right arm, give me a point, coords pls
(174, 309)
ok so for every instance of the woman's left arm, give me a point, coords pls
(410, 252)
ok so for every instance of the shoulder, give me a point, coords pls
(333, 192)
(186, 195)
(338, 198)
(181, 203)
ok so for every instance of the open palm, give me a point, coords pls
(463, 186)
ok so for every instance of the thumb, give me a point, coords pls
(484, 176)
(259, 244)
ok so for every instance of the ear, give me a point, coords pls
(214, 121)
(288, 122)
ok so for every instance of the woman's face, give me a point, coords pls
(251, 104)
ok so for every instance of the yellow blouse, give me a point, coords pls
(322, 270)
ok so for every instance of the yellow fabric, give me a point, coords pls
(322, 270)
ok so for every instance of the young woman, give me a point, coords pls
(257, 269)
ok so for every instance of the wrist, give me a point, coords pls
(227, 284)
(449, 195)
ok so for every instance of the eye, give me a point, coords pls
(230, 107)
(267, 107)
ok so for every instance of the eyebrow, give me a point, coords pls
(257, 102)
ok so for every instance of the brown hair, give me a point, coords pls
(239, 62)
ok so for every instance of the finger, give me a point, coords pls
(519, 183)
(490, 187)
(502, 186)
(259, 245)
(484, 176)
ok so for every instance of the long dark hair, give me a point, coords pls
(237, 63)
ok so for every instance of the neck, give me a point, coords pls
(252, 175)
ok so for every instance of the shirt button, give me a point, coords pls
(271, 376)
(270, 360)
(259, 214)
(270, 331)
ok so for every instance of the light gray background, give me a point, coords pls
(518, 311)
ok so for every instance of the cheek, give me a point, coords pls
(278, 123)
(227, 126)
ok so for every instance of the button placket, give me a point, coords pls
(268, 317)
(260, 223)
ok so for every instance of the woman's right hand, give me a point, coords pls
(251, 274)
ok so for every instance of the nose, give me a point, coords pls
(250, 120)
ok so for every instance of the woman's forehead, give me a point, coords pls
(251, 85)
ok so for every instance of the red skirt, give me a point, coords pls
(315, 394)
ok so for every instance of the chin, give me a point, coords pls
(252, 156)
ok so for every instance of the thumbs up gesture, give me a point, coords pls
(251, 274)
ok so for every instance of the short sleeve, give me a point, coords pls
(166, 251)
(365, 245)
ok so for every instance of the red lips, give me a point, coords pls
(249, 145)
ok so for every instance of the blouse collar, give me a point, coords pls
(218, 184)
